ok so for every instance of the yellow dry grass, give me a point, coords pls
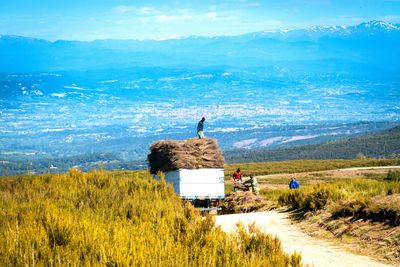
(117, 219)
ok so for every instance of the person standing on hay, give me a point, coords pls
(200, 127)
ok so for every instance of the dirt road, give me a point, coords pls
(370, 168)
(317, 252)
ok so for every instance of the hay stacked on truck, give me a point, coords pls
(170, 155)
(195, 168)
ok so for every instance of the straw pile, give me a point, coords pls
(242, 202)
(168, 155)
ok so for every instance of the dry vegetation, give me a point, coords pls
(117, 219)
(129, 219)
(169, 155)
(363, 211)
(242, 202)
(309, 172)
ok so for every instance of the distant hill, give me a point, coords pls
(373, 43)
(383, 144)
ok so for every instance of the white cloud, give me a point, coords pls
(170, 18)
(147, 10)
(144, 10)
(209, 16)
(59, 95)
(166, 16)
(122, 9)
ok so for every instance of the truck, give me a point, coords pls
(194, 167)
(204, 188)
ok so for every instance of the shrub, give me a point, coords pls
(307, 198)
(359, 199)
(393, 176)
(385, 209)
(348, 208)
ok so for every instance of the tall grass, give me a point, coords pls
(393, 176)
(360, 199)
(117, 219)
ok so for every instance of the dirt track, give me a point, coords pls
(317, 252)
(369, 168)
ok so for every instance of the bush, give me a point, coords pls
(307, 198)
(393, 176)
(359, 199)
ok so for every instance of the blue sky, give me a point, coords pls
(102, 19)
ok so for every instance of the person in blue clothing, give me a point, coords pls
(293, 183)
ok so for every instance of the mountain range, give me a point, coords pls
(373, 43)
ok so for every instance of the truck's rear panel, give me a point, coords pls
(198, 183)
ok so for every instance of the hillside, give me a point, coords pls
(117, 219)
(384, 144)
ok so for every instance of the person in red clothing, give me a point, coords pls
(237, 175)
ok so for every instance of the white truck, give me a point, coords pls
(204, 188)
(195, 168)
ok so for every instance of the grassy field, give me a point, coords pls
(276, 174)
(296, 166)
(129, 219)
(355, 206)
(117, 219)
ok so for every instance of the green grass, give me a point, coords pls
(105, 218)
(295, 166)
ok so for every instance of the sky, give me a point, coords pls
(87, 20)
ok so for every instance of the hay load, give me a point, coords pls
(242, 202)
(170, 155)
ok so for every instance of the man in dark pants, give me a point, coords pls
(200, 127)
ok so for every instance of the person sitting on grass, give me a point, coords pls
(294, 184)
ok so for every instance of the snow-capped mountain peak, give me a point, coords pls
(377, 24)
